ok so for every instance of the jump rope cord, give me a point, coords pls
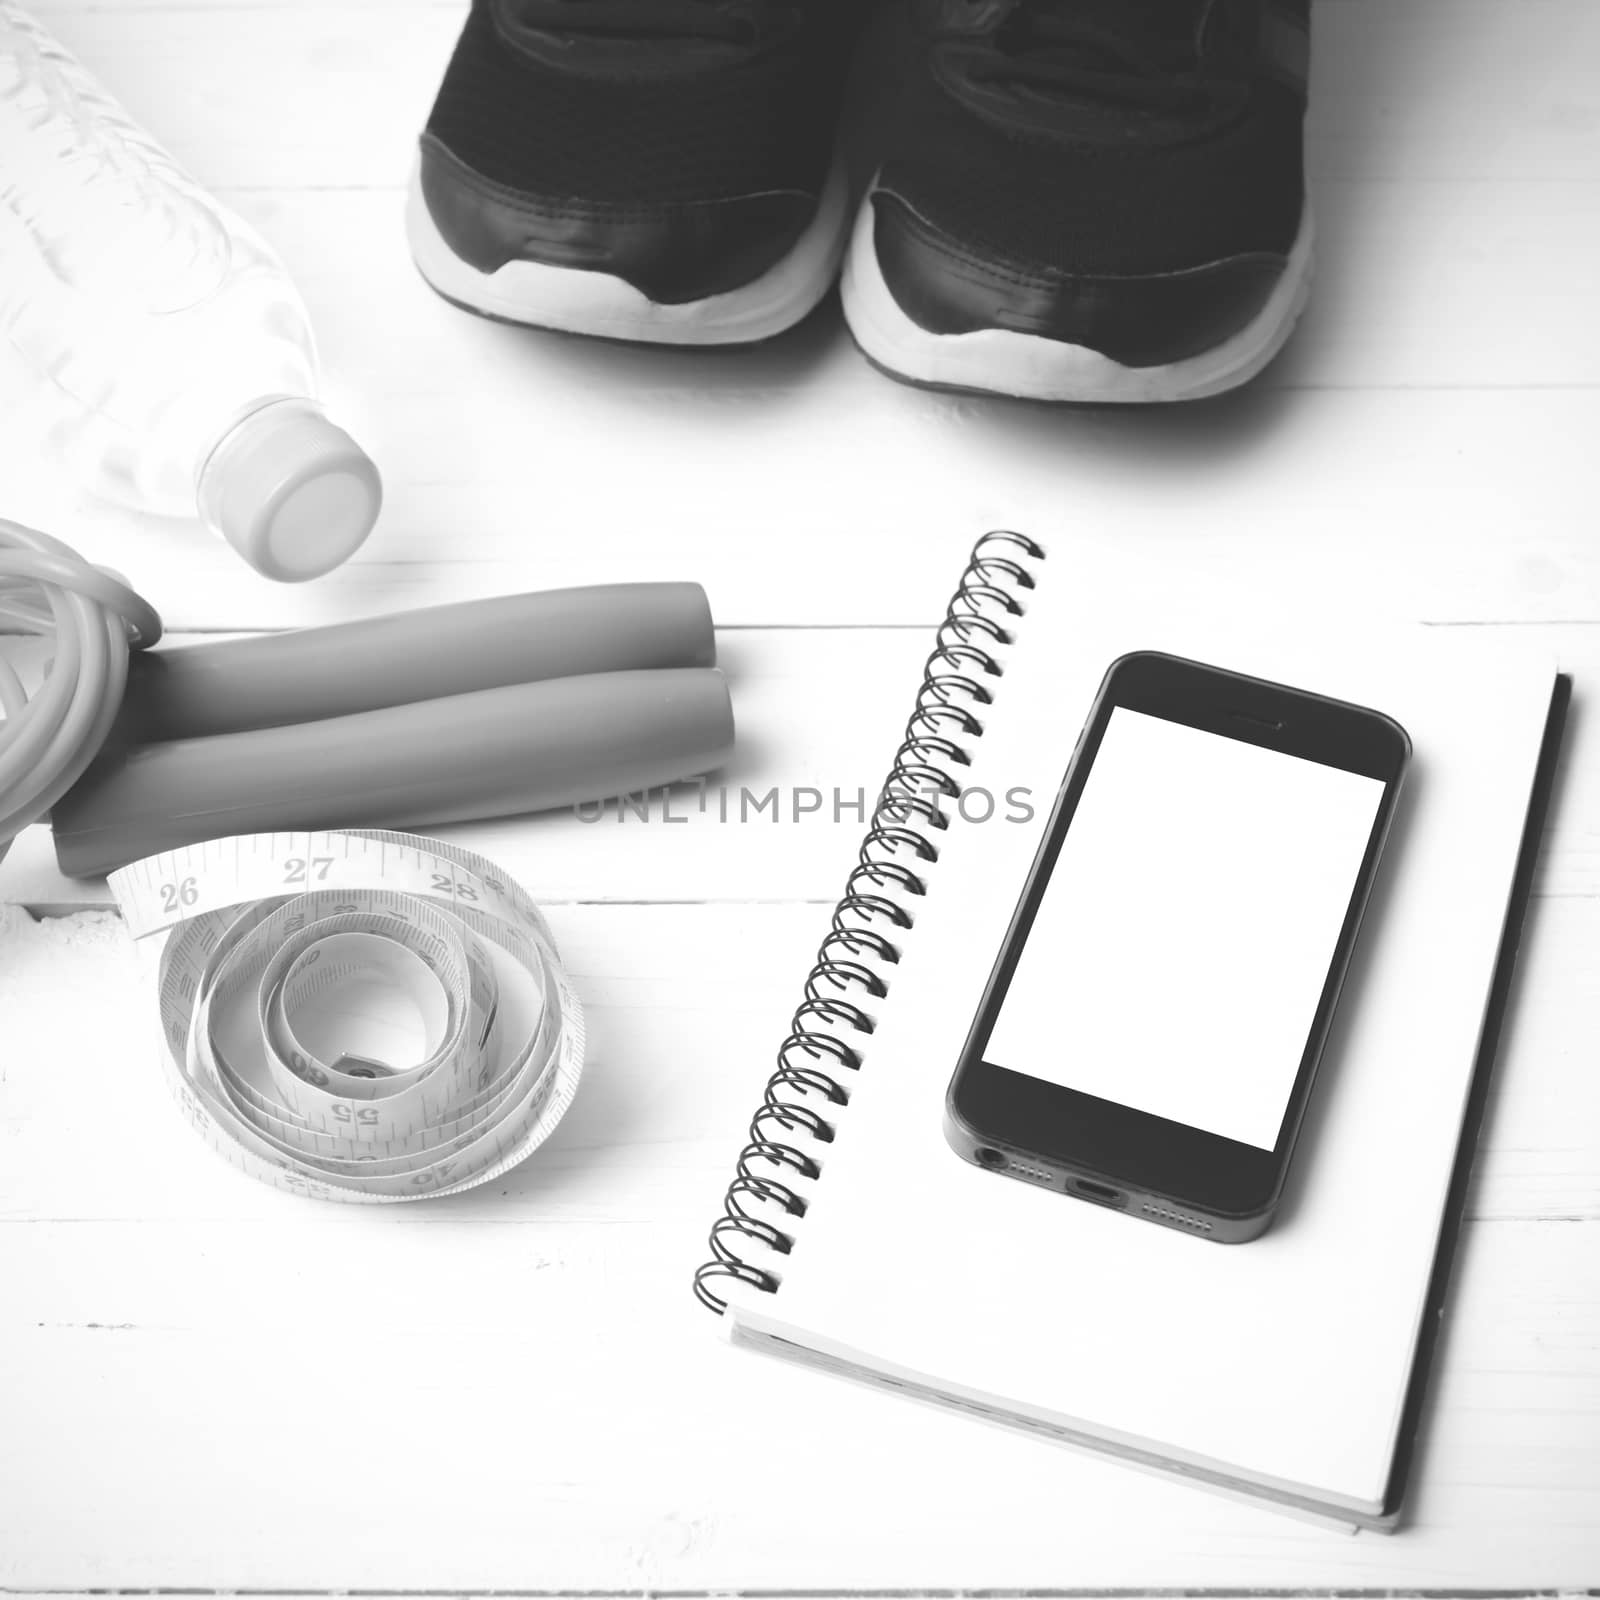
(94, 619)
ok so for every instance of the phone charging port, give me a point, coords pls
(1102, 1194)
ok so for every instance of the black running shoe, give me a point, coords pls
(1089, 199)
(661, 170)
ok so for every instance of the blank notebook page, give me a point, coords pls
(1285, 1359)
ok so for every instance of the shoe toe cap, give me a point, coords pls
(673, 253)
(1138, 319)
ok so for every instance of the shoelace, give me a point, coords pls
(731, 21)
(1089, 52)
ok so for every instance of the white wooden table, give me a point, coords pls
(208, 1386)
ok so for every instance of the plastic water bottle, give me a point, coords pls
(163, 352)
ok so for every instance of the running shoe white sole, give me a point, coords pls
(575, 301)
(1031, 367)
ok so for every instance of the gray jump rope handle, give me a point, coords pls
(412, 656)
(488, 753)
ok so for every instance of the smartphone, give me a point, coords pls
(1150, 1033)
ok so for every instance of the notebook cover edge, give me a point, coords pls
(1145, 1457)
(1500, 985)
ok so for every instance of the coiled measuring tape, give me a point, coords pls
(354, 1015)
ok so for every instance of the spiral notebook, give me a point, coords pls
(1290, 1368)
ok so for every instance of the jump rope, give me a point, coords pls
(347, 1011)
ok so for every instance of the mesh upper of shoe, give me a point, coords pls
(1017, 170)
(747, 122)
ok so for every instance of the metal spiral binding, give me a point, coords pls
(796, 1115)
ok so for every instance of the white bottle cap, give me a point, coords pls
(291, 491)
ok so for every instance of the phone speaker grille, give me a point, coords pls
(1179, 1219)
(1032, 1174)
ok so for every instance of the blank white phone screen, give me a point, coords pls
(1183, 940)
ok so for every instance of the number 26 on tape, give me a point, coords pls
(183, 893)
